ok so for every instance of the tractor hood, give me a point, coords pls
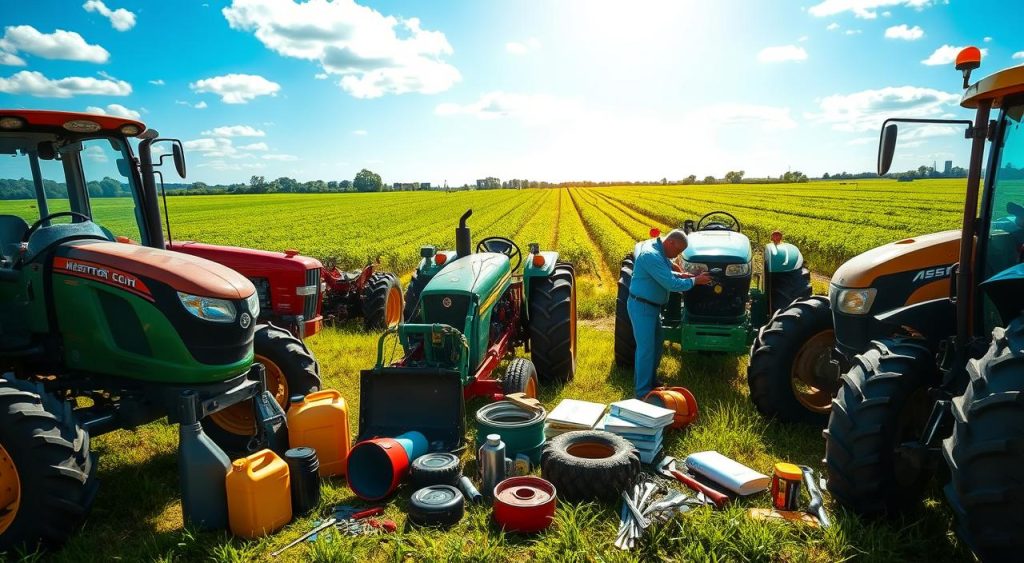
(477, 274)
(923, 258)
(719, 247)
(182, 272)
(247, 259)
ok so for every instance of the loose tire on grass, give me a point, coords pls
(412, 296)
(882, 403)
(589, 465)
(381, 301)
(785, 358)
(985, 452)
(625, 343)
(440, 468)
(787, 287)
(291, 370)
(45, 467)
(520, 377)
(553, 324)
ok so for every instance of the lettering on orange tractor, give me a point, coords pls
(102, 274)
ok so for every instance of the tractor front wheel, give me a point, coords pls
(789, 372)
(291, 370)
(412, 296)
(985, 453)
(553, 324)
(381, 301)
(625, 343)
(47, 481)
(520, 377)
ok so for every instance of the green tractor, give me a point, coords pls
(722, 317)
(471, 310)
(97, 335)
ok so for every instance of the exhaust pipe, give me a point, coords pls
(463, 243)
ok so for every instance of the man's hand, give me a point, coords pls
(703, 279)
(683, 275)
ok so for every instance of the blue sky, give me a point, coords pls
(435, 91)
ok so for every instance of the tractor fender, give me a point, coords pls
(531, 270)
(934, 319)
(1006, 290)
(782, 257)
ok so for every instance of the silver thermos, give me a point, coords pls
(491, 460)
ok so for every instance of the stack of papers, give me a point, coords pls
(572, 415)
(641, 423)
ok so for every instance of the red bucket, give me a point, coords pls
(376, 467)
(524, 504)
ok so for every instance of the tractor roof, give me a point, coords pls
(995, 87)
(38, 119)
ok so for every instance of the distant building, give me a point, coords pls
(488, 183)
(424, 185)
(949, 168)
(397, 186)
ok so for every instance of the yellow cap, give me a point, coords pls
(240, 464)
(788, 471)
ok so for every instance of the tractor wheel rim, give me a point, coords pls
(531, 388)
(805, 375)
(393, 307)
(239, 419)
(10, 490)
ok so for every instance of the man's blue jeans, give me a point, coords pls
(647, 331)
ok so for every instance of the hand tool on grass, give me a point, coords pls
(667, 467)
(817, 505)
(347, 512)
(323, 526)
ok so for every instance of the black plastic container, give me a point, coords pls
(304, 471)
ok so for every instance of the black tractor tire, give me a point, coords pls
(589, 465)
(291, 370)
(552, 323)
(379, 290)
(798, 336)
(50, 454)
(882, 403)
(985, 452)
(787, 287)
(625, 343)
(520, 377)
(412, 296)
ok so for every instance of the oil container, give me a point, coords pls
(304, 470)
(202, 466)
(320, 421)
(259, 495)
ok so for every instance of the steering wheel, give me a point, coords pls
(719, 221)
(502, 245)
(35, 226)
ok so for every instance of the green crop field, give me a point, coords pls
(137, 515)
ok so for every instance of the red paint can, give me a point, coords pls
(524, 504)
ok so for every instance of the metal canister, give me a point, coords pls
(491, 461)
(786, 486)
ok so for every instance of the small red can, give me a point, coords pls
(786, 486)
(524, 504)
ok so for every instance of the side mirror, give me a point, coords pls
(886, 148)
(179, 158)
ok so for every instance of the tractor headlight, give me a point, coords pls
(738, 269)
(855, 301)
(209, 308)
(695, 268)
(253, 304)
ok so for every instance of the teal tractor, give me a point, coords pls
(469, 313)
(724, 316)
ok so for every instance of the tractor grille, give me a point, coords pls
(454, 314)
(309, 306)
(729, 302)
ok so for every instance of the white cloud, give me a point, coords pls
(237, 88)
(280, 157)
(782, 54)
(157, 82)
(766, 118)
(33, 83)
(235, 131)
(522, 47)
(865, 9)
(803, 38)
(1018, 55)
(223, 147)
(201, 105)
(832, 26)
(95, 154)
(120, 19)
(852, 32)
(987, 39)
(360, 132)
(532, 108)
(11, 60)
(63, 45)
(866, 110)
(116, 110)
(320, 76)
(903, 32)
(222, 165)
(254, 147)
(946, 55)
(373, 54)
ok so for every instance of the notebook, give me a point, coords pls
(617, 425)
(731, 474)
(571, 414)
(644, 414)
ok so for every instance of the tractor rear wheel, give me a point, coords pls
(787, 287)
(412, 296)
(382, 301)
(553, 324)
(520, 377)
(985, 453)
(877, 417)
(291, 370)
(625, 343)
(789, 372)
(47, 474)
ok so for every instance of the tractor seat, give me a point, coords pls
(349, 276)
(12, 228)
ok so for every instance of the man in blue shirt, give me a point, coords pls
(652, 281)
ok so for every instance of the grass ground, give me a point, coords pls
(137, 515)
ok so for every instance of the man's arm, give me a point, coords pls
(662, 274)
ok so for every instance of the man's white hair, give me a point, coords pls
(677, 234)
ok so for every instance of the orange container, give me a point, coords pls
(259, 495)
(320, 421)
